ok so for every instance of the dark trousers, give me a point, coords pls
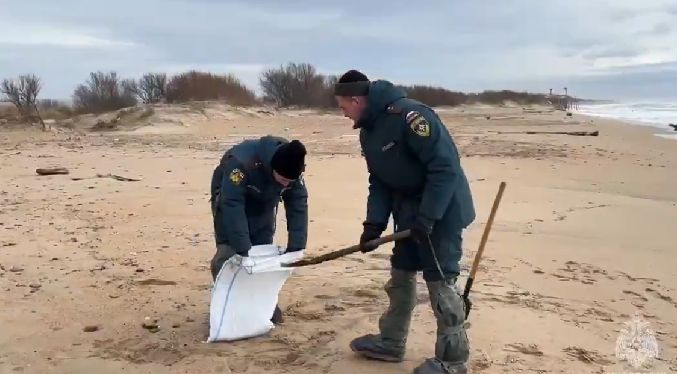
(445, 239)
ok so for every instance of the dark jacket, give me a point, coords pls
(245, 198)
(411, 155)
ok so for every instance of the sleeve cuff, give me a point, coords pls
(377, 226)
(426, 221)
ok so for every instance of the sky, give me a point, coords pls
(600, 49)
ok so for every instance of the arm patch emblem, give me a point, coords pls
(418, 123)
(236, 176)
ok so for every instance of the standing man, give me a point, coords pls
(414, 174)
(247, 186)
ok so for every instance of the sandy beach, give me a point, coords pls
(583, 240)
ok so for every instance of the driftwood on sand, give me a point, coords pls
(52, 171)
(573, 133)
(117, 177)
(113, 176)
(63, 171)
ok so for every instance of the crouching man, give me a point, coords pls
(247, 185)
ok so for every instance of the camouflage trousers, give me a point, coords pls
(452, 344)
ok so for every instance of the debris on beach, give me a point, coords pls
(52, 171)
(91, 328)
(573, 133)
(113, 176)
(155, 282)
(151, 324)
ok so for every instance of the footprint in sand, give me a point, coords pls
(365, 293)
(587, 356)
(598, 314)
(634, 279)
(628, 292)
(584, 273)
(238, 365)
(531, 349)
(662, 296)
(295, 310)
(481, 362)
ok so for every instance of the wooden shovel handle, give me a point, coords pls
(348, 250)
(487, 229)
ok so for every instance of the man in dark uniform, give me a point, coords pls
(414, 174)
(247, 186)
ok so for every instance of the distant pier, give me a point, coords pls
(563, 102)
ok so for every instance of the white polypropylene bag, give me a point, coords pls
(245, 293)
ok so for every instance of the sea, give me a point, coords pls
(653, 114)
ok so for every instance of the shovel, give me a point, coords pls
(480, 251)
(348, 250)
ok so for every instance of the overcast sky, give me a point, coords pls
(607, 49)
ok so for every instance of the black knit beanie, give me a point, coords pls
(289, 159)
(352, 83)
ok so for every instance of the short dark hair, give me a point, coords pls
(353, 76)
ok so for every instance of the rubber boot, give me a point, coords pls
(451, 348)
(223, 253)
(277, 316)
(394, 323)
(371, 346)
(435, 366)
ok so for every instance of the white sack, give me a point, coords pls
(245, 293)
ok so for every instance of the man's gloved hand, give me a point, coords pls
(420, 232)
(370, 232)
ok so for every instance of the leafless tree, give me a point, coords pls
(102, 92)
(296, 84)
(150, 89)
(23, 94)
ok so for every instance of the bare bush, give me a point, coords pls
(50, 103)
(435, 96)
(297, 85)
(8, 113)
(102, 92)
(23, 94)
(500, 97)
(151, 88)
(54, 109)
(202, 86)
(325, 98)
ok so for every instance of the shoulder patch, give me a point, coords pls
(418, 123)
(236, 176)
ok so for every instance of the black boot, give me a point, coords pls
(435, 366)
(277, 316)
(371, 346)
